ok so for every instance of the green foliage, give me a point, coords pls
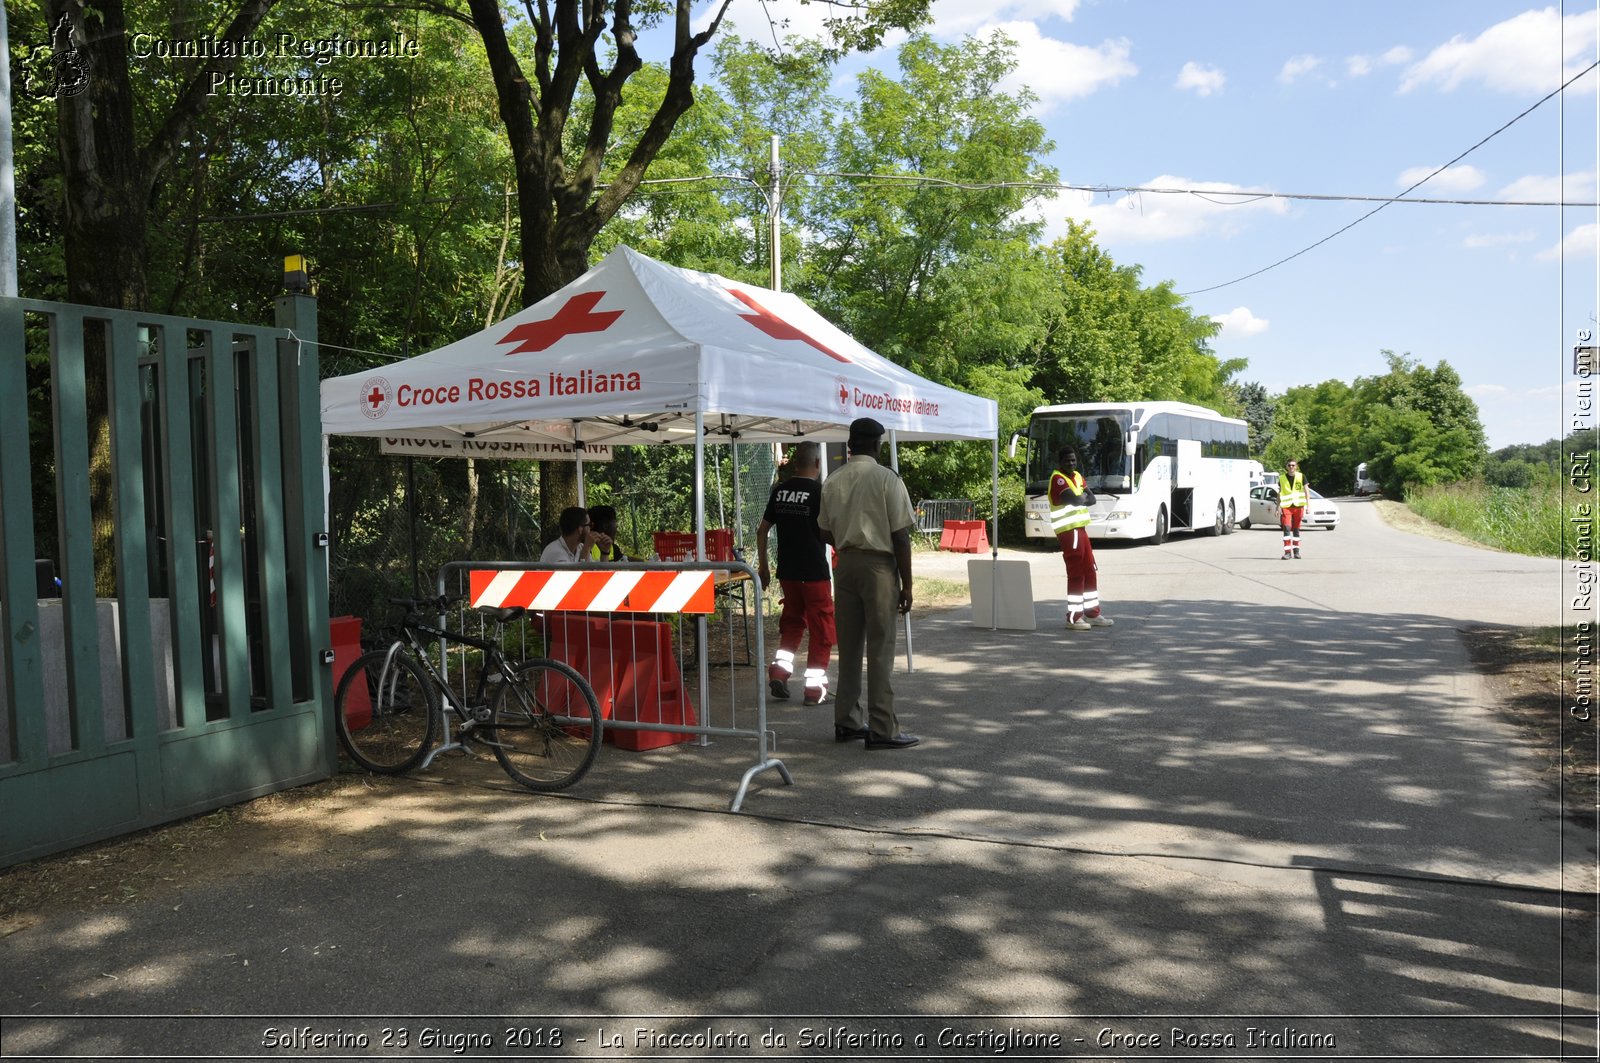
(1537, 464)
(1413, 426)
(1257, 408)
(1521, 520)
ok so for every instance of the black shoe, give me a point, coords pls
(899, 741)
(779, 689)
(848, 734)
(821, 699)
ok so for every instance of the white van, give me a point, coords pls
(1365, 485)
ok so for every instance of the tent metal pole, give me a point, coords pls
(738, 500)
(994, 538)
(704, 650)
(577, 456)
(894, 463)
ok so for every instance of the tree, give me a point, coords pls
(1257, 408)
(561, 205)
(1412, 425)
(1110, 338)
(112, 161)
(1420, 428)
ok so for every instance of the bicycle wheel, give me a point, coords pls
(386, 710)
(545, 727)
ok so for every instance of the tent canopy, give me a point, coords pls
(631, 351)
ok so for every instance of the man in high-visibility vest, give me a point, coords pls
(1292, 507)
(1070, 500)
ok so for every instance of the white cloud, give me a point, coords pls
(1298, 67)
(1499, 239)
(761, 20)
(1517, 55)
(1582, 242)
(1058, 70)
(1579, 187)
(1147, 217)
(953, 21)
(1240, 322)
(1362, 65)
(752, 20)
(1452, 179)
(1202, 79)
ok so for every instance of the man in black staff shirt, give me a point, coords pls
(803, 575)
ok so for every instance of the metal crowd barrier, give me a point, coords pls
(582, 614)
(931, 513)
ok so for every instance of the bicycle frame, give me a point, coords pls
(412, 627)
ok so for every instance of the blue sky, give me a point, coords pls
(1328, 98)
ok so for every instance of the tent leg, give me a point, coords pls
(703, 650)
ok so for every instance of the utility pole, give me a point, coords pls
(775, 216)
(8, 169)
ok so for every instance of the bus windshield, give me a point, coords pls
(1098, 439)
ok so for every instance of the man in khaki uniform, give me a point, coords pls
(867, 517)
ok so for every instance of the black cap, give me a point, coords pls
(865, 426)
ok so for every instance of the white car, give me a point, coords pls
(1320, 513)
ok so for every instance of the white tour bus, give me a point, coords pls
(1154, 467)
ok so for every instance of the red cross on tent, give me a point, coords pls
(573, 317)
(777, 328)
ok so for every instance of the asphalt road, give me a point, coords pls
(1271, 812)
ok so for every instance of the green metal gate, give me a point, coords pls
(198, 676)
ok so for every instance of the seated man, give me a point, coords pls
(575, 540)
(603, 521)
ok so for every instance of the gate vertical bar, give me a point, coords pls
(305, 509)
(222, 412)
(132, 542)
(183, 586)
(268, 492)
(24, 672)
(75, 526)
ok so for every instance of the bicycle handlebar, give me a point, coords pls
(502, 615)
(437, 604)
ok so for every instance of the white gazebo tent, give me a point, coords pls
(639, 352)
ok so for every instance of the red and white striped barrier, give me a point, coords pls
(594, 591)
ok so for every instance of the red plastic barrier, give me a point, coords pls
(964, 537)
(633, 671)
(345, 634)
(649, 685)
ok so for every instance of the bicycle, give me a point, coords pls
(541, 719)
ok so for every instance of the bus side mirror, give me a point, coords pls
(1129, 445)
(1011, 451)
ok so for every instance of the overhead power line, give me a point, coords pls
(656, 187)
(1211, 195)
(1238, 198)
(1380, 206)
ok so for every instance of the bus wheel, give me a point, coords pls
(1161, 527)
(1227, 525)
(1222, 519)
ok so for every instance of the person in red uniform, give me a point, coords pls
(803, 575)
(1292, 500)
(1070, 500)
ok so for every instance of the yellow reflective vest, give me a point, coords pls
(1067, 515)
(1293, 491)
